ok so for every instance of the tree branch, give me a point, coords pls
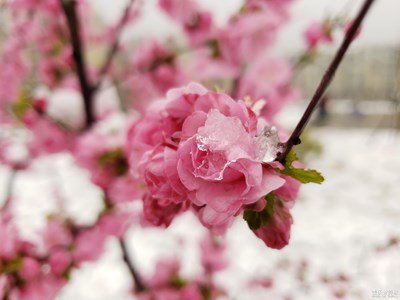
(139, 285)
(325, 81)
(69, 8)
(114, 46)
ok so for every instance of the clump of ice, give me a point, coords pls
(270, 144)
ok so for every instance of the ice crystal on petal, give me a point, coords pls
(269, 143)
(202, 143)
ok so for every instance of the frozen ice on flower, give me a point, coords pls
(270, 146)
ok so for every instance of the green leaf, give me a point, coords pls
(302, 175)
(257, 219)
(290, 158)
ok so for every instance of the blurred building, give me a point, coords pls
(365, 74)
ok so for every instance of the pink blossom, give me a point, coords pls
(59, 261)
(199, 28)
(4, 285)
(142, 91)
(168, 198)
(89, 245)
(218, 158)
(49, 6)
(149, 53)
(125, 189)
(161, 215)
(115, 223)
(203, 67)
(10, 239)
(182, 100)
(159, 170)
(268, 80)
(156, 63)
(276, 232)
(248, 35)
(212, 254)
(197, 24)
(49, 137)
(289, 192)
(30, 268)
(88, 150)
(55, 235)
(154, 71)
(104, 159)
(220, 165)
(42, 288)
(165, 270)
(316, 33)
(151, 130)
(279, 6)
(192, 291)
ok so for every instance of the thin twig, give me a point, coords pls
(69, 8)
(114, 46)
(139, 285)
(325, 81)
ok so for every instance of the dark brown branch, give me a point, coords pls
(139, 285)
(114, 46)
(325, 81)
(69, 8)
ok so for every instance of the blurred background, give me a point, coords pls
(369, 72)
(345, 241)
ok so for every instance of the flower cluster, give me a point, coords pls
(206, 152)
(168, 284)
(30, 272)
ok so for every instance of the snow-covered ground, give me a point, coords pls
(340, 246)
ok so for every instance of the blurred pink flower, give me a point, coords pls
(89, 245)
(55, 235)
(316, 33)
(116, 223)
(59, 261)
(125, 189)
(42, 288)
(197, 24)
(11, 243)
(212, 254)
(49, 137)
(268, 80)
(103, 158)
(248, 35)
(30, 268)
